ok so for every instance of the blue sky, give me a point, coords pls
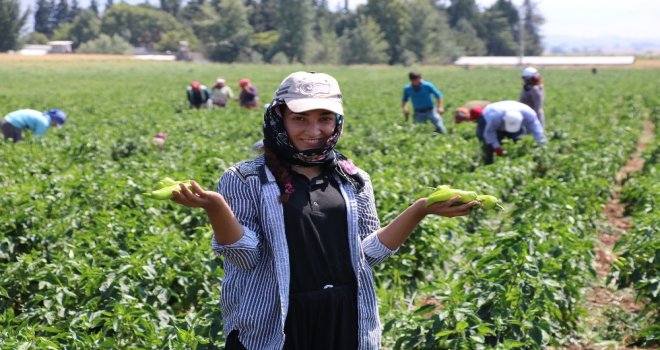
(633, 19)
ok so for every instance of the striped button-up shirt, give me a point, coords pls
(255, 289)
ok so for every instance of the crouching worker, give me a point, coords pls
(37, 121)
(502, 119)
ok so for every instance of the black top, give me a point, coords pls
(317, 234)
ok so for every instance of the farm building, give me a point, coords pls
(544, 60)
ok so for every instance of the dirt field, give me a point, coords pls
(639, 63)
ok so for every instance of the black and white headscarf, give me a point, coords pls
(276, 138)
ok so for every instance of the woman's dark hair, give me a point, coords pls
(281, 172)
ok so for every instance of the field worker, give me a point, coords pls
(248, 97)
(502, 119)
(299, 231)
(221, 93)
(197, 94)
(532, 93)
(462, 114)
(37, 121)
(422, 93)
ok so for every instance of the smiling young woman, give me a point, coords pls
(299, 231)
(309, 129)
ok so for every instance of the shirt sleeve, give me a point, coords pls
(246, 252)
(406, 95)
(490, 132)
(40, 128)
(434, 91)
(537, 99)
(534, 127)
(369, 224)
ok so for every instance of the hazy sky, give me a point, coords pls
(636, 19)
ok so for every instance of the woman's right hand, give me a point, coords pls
(198, 197)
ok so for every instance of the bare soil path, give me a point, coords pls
(603, 301)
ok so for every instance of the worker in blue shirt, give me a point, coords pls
(37, 121)
(421, 93)
(505, 119)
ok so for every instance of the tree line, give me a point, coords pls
(286, 31)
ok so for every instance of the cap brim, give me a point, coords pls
(307, 104)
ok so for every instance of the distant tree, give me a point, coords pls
(423, 18)
(435, 42)
(36, 38)
(61, 14)
(294, 25)
(463, 9)
(94, 7)
(170, 6)
(231, 34)
(202, 19)
(509, 11)
(364, 44)
(194, 13)
(261, 14)
(392, 19)
(54, 18)
(345, 21)
(42, 17)
(11, 23)
(499, 35)
(279, 58)
(324, 46)
(74, 11)
(265, 43)
(467, 38)
(139, 25)
(170, 40)
(105, 44)
(61, 32)
(532, 21)
(85, 27)
(108, 5)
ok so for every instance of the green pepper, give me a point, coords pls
(446, 193)
(489, 202)
(165, 188)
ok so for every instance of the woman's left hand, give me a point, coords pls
(449, 208)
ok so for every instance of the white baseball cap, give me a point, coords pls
(530, 72)
(512, 121)
(305, 91)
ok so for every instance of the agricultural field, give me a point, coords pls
(87, 262)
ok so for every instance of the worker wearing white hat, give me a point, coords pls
(532, 93)
(505, 119)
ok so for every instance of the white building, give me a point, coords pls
(61, 46)
(544, 60)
